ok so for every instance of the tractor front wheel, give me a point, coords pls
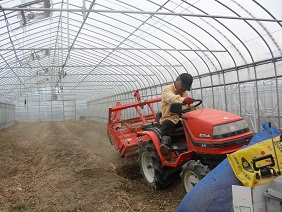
(156, 176)
(192, 172)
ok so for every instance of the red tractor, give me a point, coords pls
(201, 144)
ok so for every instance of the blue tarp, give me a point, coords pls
(214, 192)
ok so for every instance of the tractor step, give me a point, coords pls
(179, 146)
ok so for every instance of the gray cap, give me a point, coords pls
(186, 81)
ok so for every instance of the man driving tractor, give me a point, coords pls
(175, 92)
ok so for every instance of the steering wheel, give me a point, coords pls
(199, 102)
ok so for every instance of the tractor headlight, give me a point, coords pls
(230, 129)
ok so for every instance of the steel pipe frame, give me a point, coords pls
(118, 49)
(138, 12)
(142, 12)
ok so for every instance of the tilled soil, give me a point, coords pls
(71, 166)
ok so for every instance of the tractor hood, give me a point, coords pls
(212, 116)
(211, 125)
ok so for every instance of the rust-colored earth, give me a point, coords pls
(71, 166)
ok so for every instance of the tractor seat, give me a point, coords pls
(177, 131)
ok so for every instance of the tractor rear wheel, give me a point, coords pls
(192, 172)
(156, 176)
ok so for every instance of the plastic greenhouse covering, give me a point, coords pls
(67, 59)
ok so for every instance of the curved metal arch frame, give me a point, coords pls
(157, 61)
(171, 69)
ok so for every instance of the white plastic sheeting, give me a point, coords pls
(104, 49)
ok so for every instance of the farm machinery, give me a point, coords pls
(203, 141)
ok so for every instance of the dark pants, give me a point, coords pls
(168, 127)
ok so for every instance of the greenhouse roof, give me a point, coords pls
(96, 49)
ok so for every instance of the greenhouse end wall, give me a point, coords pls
(7, 115)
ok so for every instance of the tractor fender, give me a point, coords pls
(153, 137)
(149, 136)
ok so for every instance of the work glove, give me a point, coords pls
(188, 100)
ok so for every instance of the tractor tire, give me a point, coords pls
(156, 176)
(192, 172)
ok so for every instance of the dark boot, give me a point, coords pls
(165, 147)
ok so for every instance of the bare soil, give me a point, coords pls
(71, 166)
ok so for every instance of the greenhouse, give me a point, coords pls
(66, 59)
(76, 61)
